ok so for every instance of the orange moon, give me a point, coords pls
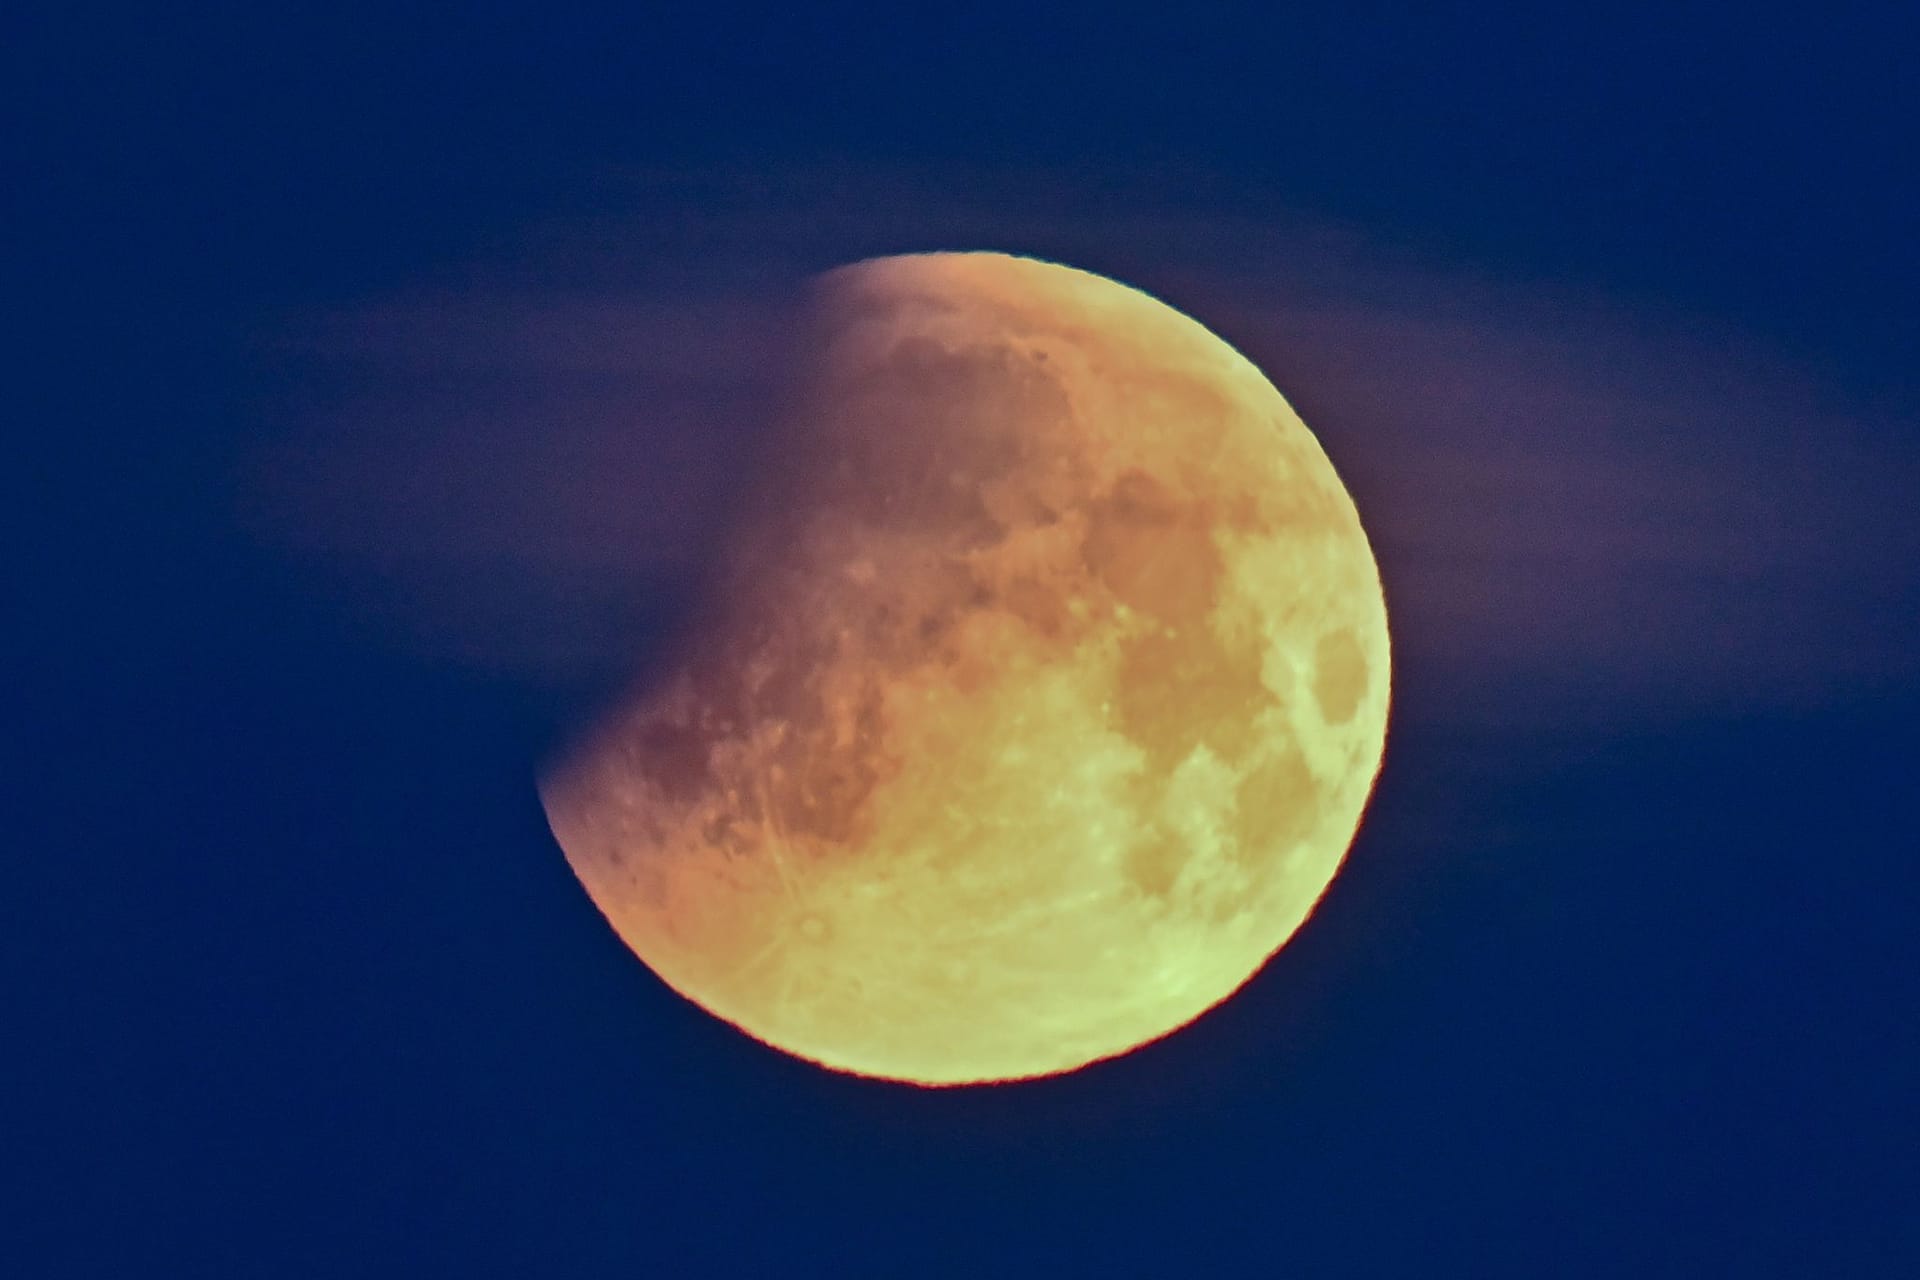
(1039, 701)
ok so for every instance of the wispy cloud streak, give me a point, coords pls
(1588, 513)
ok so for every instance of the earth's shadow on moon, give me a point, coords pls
(640, 635)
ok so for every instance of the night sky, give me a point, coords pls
(375, 381)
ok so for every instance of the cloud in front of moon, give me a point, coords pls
(1037, 702)
(1590, 513)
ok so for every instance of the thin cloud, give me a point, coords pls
(1586, 514)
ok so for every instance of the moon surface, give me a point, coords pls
(1039, 700)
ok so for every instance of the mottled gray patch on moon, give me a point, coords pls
(1339, 675)
(1277, 806)
(1153, 861)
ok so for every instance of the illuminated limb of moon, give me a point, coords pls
(1042, 701)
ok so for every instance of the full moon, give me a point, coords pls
(1038, 700)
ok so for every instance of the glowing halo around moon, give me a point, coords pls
(1040, 700)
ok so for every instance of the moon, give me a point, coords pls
(1040, 698)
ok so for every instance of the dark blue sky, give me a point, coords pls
(362, 351)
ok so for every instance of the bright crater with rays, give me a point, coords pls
(1037, 705)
